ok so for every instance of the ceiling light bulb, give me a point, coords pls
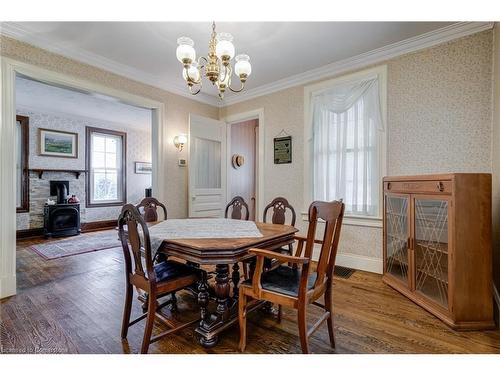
(224, 48)
(185, 51)
(192, 71)
(243, 68)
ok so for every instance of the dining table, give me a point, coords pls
(223, 243)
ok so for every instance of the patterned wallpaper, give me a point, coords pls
(138, 149)
(439, 120)
(178, 108)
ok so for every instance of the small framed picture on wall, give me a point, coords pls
(283, 150)
(58, 143)
(143, 167)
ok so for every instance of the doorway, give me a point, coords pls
(9, 69)
(242, 176)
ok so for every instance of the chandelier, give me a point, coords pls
(216, 66)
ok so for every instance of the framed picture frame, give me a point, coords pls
(283, 150)
(58, 143)
(142, 167)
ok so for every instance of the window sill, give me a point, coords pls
(107, 204)
(359, 221)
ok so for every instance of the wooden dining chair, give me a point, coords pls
(280, 206)
(298, 287)
(149, 209)
(236, 205)
(157, 280)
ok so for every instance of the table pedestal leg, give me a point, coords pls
(211, 324)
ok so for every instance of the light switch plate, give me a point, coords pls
(182, 162)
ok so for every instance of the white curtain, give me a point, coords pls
(346, 123)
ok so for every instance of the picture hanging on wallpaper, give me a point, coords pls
(58, 143)
(143, 167)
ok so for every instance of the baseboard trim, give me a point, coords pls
(91, 226)
(360, 262)
(29, 233)
(7, 286)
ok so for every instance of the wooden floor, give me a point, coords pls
(74, 305)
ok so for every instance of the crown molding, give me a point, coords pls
(432, 38)
(20, 32)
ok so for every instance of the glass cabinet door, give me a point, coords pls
(431, 249)
(397, 234)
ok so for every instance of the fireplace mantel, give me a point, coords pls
(77, 172)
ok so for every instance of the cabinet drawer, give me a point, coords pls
(424, 187)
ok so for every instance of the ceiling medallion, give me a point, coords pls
(216, 66)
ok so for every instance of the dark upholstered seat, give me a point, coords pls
(284, 280)
(169, 270)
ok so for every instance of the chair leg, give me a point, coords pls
(149, 323)
(173, 307)
(302, 318)
(329, 308)
(242, 317)
(129, 293)
(280, 313)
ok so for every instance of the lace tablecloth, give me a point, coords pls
(201, 228)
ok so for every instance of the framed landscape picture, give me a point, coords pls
(58, 143)
(143, 167)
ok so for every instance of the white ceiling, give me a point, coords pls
(46, 98)
(146, 50)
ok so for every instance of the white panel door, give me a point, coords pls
(207, 167)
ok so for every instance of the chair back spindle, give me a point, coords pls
(149, 209)
(279, 205)
(236, 205)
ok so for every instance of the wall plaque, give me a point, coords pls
(283, 150)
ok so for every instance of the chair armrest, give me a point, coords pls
(281, 257)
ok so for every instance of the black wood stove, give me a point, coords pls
(62, 218)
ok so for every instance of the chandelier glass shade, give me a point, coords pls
(216, 66)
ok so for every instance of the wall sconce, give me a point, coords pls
(179, 141)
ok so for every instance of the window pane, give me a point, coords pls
(208, 160)
(99, 188)
(111, 160)
(97, 142)
(111, 144)
(98, 160)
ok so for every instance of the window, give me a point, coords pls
(22, 155)
(106, 177)
(346, 145)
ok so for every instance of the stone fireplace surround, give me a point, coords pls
(39, 191)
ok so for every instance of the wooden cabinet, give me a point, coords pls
(437, 245)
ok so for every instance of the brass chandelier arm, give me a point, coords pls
(191, 80)
(194, 92)
(200, 65)
(237, 90)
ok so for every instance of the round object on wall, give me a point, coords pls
(238, 161)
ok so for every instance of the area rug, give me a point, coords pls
(77, 245)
